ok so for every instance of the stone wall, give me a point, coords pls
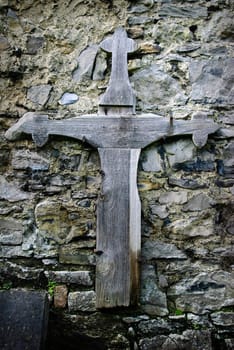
(51, 62)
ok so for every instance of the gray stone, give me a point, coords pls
(173, 197)
(137, 319)
(100, 67)
(39, 94)
(52, 220)
(228, 155)
(81, 278)
(151, 160)
(24, 319)
(197, 165)
(68, 98)
(153, 300)
(169, 10)
(42, 247)
(20, 272)
(82, 301)
(227, 256)
(11, 232)
(199, 321)
(227, 118)
(190, 339)
(206, 292)
(198, 203)
(192, 227)
(71, 254)
(162, 281)
(11, 14)
(220, 26)
(159, 210)
(10, 191)
(205, 75)
(154, 343)
(12, 252)
(25, 159)
(188, 48)
(225, 133)
(224, 319)
(86, 62)
(156, 88)
(159, 325)
(141, 6)
(34, 44)
(160, 250)
(186, 183)
(139, 20)
(5, 210)
(170, 31)
(4, 44)
(179, 151)
(229, 343)
(226, 218)
(4, 3)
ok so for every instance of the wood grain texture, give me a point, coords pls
(111, 131)
(119, 135)
(119, 91)
(119, 140)
(118, 229)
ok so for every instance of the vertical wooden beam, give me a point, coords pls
(118, 229)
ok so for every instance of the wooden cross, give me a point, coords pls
(119, 135)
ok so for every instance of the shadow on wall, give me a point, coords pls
(62, 334)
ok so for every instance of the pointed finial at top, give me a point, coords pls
(119, 92)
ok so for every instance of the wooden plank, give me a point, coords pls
(114, 132)
(119, 91)
(118, 229)
(119, 135)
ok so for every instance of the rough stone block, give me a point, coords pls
(11, 232)
(86, 62)
(198, 203)
(60, 296)
(186, 183)
(183, 12)
(220, 26)
(190, 339)
(159, 210)
(173, 197)
(39, 94)
(205, 75)
(23, 319)
(11, 192)
(151, 160)
(71, 254)
(24, 159)
(34, 44)
(153, 300)
(82, 301)
(160, 250)
(4, 44)
(225, 319)
(193, 228)
(179, 151)
(71, 277)
(155, 88)
(206, 292)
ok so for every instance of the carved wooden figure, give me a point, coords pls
(119, 135)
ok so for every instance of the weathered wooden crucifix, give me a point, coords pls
(119, 135)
